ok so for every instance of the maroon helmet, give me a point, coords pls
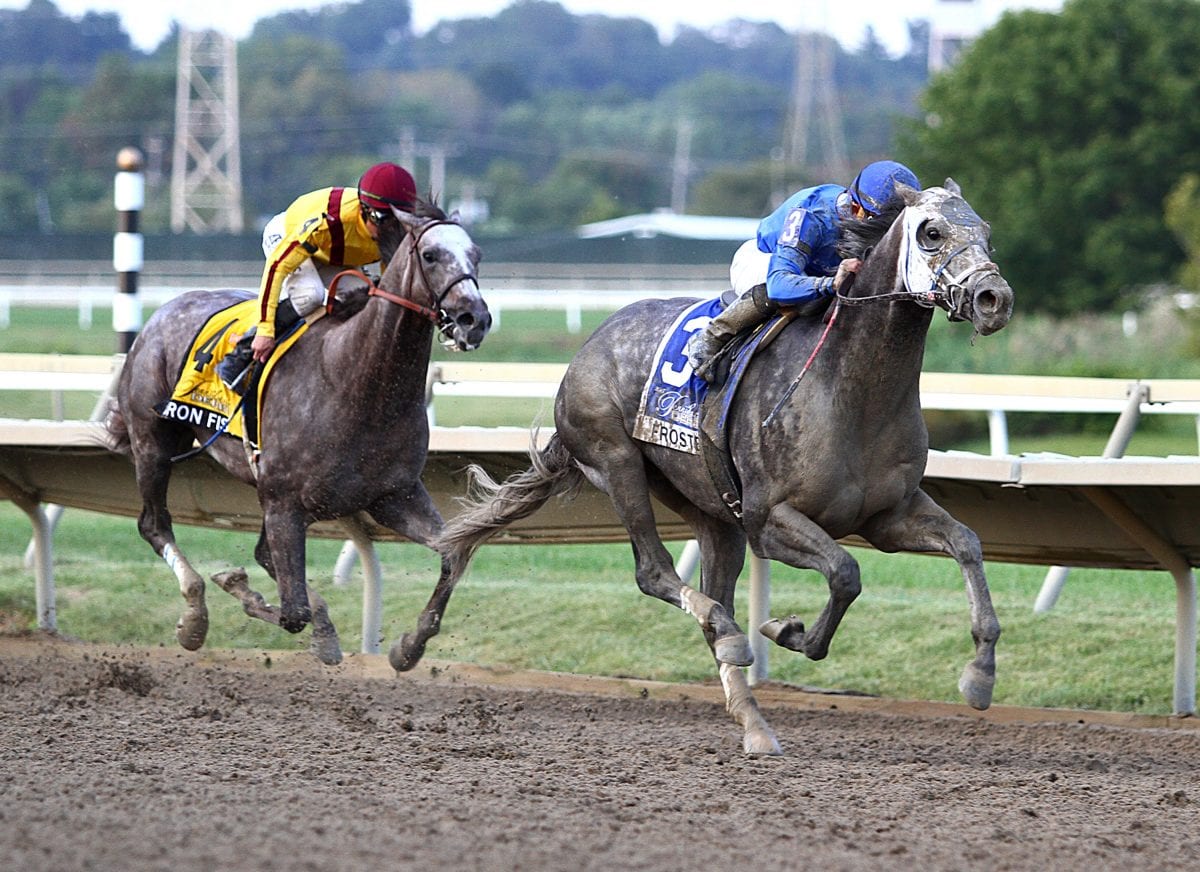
(385, 185)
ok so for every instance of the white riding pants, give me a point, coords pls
(749, 267)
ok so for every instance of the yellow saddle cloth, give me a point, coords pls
(200, 398)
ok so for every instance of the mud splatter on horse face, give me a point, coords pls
(946, 259)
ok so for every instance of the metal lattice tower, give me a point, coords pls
(206, 172)
(814, 104)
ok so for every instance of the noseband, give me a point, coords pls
(416, 265)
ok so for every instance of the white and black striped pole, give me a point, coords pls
(129, 195)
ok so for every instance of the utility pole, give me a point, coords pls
(410, 150)
(814, 104)
(206, 170)
(682, 165)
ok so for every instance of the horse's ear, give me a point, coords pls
(907, 193)
(455, 217)
(952, 187)
(408, 219)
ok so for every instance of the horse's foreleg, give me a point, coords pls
(924, 526)
(722, 555)
(285, 530)
(325, 645)
(413, 515)
(792, 538)
(235, 582)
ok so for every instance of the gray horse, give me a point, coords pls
(344, 428)
(838, 452)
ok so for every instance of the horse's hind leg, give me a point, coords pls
(619, 471)
(153, 467)
(924, 526)
(722, 555)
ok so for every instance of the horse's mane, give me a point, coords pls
(391, 234)
(859, 235)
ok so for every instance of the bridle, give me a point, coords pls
(416, 266)
(946, 290)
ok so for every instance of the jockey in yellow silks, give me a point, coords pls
(336, 227)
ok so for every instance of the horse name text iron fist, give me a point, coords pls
(838, 452)
(344, 427)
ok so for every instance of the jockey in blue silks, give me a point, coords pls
(794, 260)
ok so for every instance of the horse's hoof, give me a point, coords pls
(976, 687)
(761, 742)
(787, 633)
(230, 579)
(294, 623)
(734, 650)
(405, 654)
(326, 648)
(191, 630)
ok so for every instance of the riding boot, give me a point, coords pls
(234, 364)
(749, 310)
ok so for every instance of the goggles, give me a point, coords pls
(376, 215)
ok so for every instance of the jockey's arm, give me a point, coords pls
(285, 259)
(788, 282)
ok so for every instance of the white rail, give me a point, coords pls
(994, 394)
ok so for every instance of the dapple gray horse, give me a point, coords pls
(344, 428)
(839, 451)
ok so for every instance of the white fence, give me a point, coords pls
(569, 288)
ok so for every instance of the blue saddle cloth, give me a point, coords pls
(669, 413)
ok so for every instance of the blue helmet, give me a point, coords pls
(876, 184)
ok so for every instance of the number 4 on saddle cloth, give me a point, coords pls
(201, 399)
(682, 411)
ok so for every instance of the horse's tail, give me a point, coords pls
(117, 429)
(491, 506)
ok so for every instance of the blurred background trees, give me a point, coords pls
(1068, 131)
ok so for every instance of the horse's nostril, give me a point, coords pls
(466, 320)
(987, 301)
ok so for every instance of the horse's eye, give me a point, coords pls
(929, 236)
(429, 256)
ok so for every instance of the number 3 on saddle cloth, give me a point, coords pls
(201, 399)
(681, 411)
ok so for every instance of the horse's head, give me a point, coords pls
(437, 254)
(945, 258)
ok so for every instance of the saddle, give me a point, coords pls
(199, 397)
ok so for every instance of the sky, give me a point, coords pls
(148, 21)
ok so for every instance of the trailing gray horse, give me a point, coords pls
(344, 428)
(839, 451)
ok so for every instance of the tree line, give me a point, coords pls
(1071, 132)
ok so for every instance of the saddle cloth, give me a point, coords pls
(676, 404)
(669, 410)
(200, 398)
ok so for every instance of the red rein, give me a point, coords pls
(374, 291)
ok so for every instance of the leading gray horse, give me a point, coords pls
(344, 428)
(837, 452)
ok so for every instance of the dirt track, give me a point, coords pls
(128, 759)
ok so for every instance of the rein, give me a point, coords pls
(787, 395)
